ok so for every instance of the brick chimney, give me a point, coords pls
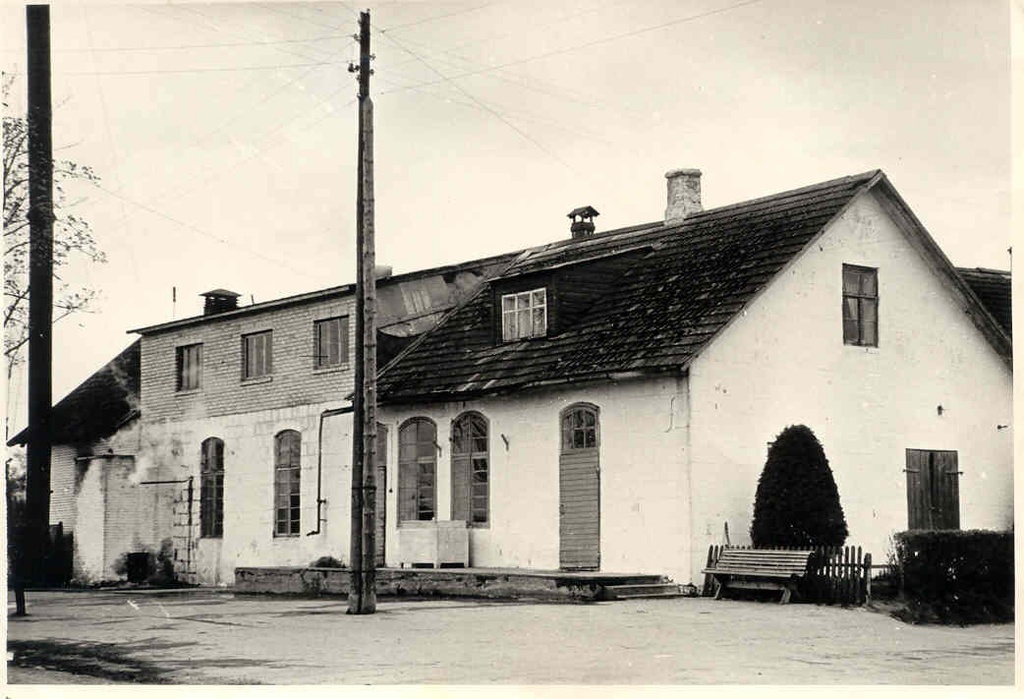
(683, 194)
(582, 221)
(219, 301)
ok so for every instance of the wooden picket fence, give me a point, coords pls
(835, 575)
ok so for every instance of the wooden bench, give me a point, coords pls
(759, 569)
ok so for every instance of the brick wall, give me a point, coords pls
(294, 380)
(62, 486)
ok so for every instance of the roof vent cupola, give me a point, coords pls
(583, 221)
(683, 194)
(219, 301)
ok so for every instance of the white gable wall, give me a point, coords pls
(644, 518)
(174, 449)
(783, 362)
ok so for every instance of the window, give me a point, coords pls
(524, 315)
(257, 350)
(860, 306)
(287, 465)
(579, 428)
(211, 488)
(189, 361)
(470, 469)
(417, 466)
(330, 342)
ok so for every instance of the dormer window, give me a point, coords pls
(524, 315)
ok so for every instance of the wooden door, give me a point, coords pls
(382, 494)
(579, 482)
(933, 489)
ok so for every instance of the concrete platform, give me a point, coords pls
(489, 583)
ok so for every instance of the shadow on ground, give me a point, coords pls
(103, 660)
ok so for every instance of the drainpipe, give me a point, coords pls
(320, 501)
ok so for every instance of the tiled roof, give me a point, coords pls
(992, 286)
(99, 405)
(692, 278)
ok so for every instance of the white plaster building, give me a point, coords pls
(687, 346)
(601, 402)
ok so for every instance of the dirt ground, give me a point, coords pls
(208, 637)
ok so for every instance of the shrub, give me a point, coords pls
(797, 502)
(326, 562)
(956, 577)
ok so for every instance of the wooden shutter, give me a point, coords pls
(933, 490)
(947, 490)
(462, 477)
(917, 508)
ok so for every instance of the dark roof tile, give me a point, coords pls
(692, 278)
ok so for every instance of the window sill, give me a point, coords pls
(257, 380)
(417, 523)
(214, 537)
(866, 349)
(188, 392)
(287, 536)
(531, 338)
(440, 523)
(336, 369)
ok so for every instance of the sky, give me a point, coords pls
(225, 134)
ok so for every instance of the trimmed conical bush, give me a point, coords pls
(797, 502)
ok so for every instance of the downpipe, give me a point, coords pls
(320, 501)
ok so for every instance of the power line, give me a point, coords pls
(532, 84)
(201, 232)
(110, 140)
(207, 70)
(596, 42)
(484, 106)
(559, 19)
(227, 44)
(222, 126)
(522, 115)
(232, 166)
(433, 19)
(275, 8)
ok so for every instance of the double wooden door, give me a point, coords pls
(933, 489)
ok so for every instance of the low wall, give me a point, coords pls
(425, 583)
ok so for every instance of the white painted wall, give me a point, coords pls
(784, 362)
(89, 535)
(644, 517)
(248, 538)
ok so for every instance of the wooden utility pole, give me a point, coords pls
(40, 300)
(362, 596)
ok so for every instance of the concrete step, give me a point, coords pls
(642, 591)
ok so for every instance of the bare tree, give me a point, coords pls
(72, 237)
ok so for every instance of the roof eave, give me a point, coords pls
(919, 236)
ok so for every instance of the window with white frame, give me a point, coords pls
(189, 367)
(524, 315)
(330, 342)
(257, 354)
(287, 474)
(860, 306)
(211, 488)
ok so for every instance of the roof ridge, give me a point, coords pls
(987, 270)
(789, 193)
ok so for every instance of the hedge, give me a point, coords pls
(959, 577)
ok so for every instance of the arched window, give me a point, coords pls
(579, 428)
(287, 465)
(211, 488)
(417, 468)
(470, 467)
